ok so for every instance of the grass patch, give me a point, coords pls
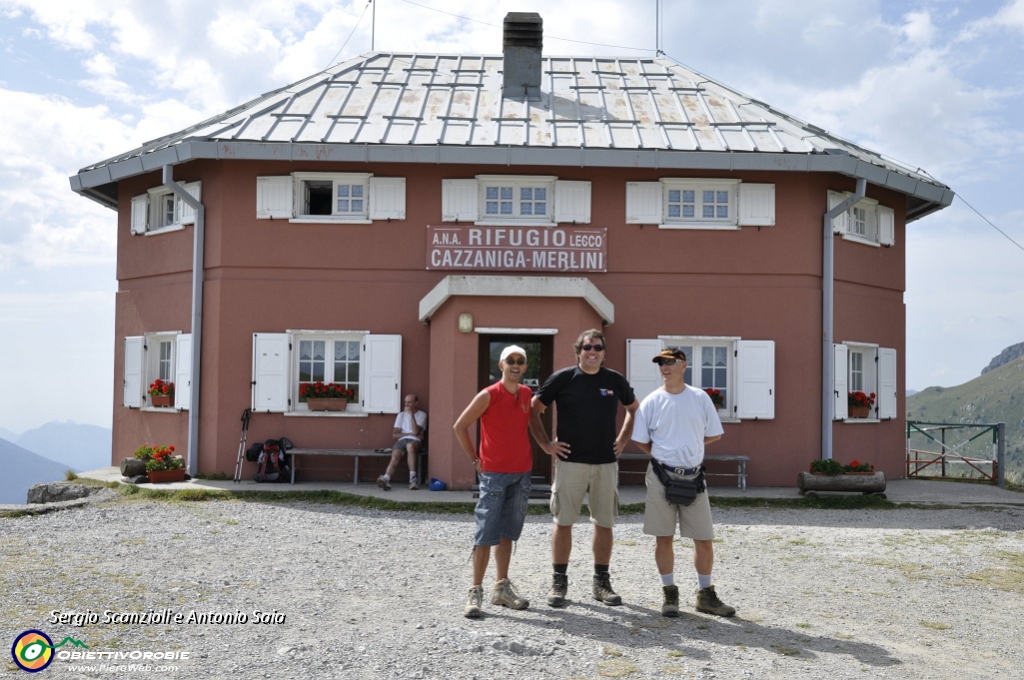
(70, 475)
(786, 651)
(616, 668)
(611, 651)
(934, 625)
(674, 654)
(803, 625)
(851, 502)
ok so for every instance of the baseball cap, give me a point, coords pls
(670, 354)
(512, 349)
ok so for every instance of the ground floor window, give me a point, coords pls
(158, 371)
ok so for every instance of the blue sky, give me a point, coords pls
(935, 84)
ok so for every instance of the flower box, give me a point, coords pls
(162, 400)
(161, 476)
(860, 411)
(326, 403)
(810, 484)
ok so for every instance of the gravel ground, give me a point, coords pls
(368, 594)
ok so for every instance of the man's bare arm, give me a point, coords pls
(643, 446)
(708, 440)
(627, 428)
(472, 413)
(552, 447)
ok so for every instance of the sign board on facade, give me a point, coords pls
(518, 249)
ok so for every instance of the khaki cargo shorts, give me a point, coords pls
(662, 517)
(573, 481)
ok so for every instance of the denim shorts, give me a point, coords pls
(501, 508)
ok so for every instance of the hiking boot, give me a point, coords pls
(559, 586)
(671, 604)
(383, 483)
(413, 486)
(505, 594)
(603, 590)
(474, 600)
(707, 601)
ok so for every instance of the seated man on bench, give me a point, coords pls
(410, 426)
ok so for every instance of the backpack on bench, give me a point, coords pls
(271, 464)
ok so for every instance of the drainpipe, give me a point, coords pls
(828, 394)
(199, 233)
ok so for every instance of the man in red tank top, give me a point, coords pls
(503, 467)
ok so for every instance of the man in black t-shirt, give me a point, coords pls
(586, 451)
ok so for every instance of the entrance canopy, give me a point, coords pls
(516, 286)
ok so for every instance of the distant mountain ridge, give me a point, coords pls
(1006, 356)
(997, 396)
(22, 469)
(73, 445)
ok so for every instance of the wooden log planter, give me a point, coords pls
(810, 484)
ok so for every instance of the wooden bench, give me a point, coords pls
(355, 454)
(740, 474)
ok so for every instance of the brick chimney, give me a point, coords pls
(522, 43)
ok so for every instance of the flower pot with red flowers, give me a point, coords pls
(716, 397)
(860, 404)
(161, 393)
(161, 463)
(321, 396)
(858, 468)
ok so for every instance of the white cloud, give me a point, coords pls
(239, 34)
(918, 28)
(101, 65)
(1009, 17)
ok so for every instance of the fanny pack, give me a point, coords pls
(679, 491)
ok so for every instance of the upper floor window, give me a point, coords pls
(864, 222)
(676, 203)
(159, 209)
(355, 198)
(509, 200)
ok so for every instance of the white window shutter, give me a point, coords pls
(757, 205)
(186, 213)
(133, 360)
(387, 198)
(183, 371)
(274, 197)
(755, 379)
(459, 199)
(140, 214)
(841, 222)
(643, 202)
(270, 360)
(886, 226)
(886, 383)
(383, 371)
(572, 202)
(641, 372)
(841, 381)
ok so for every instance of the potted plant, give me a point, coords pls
(321, 396)
(860, 404)
(716, 397)
(161, 464)
(829, 467)
(858, 468)
(161, 393)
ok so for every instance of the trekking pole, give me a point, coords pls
(241, 445)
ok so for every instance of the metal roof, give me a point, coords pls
(592, 111)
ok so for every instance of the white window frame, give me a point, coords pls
(749, 204)
(696, 343)
(868, 374)
(517, 183)
(148, 370)
(300, 193)
(866, 222)
(275, 372)
(297, 337)
(149, 215)
(699, 186)
(465, 200)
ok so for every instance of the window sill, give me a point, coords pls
(328, 220)
(861, 420)
(729, 421)
(161, 409)
(165, 230)
(700, 225)
(325, 414)
(861, 240)
(513, 223)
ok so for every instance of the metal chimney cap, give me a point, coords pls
(523, 29)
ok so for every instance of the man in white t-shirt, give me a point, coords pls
(672, 426)
(410, 426)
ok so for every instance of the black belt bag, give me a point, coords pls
(679, 491)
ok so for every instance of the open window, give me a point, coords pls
(158, 365)
(368, 364)
(510, 200)
(160, 210)
(864, 368)
(675, 203)
(866, 221)
(741, 371)
(349, 197)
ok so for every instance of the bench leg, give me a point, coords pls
(294, 458)
(355, 473)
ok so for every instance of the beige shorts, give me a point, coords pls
(661, 517)
(573, 480)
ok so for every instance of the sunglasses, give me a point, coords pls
(515, 362)
(668, 362)
(596, 348)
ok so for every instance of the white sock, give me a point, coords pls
(703, 581)
(387, 478)
(412, 477)
(668, 579)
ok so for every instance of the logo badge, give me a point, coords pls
(32, 651)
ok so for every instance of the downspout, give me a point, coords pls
(197, 314)
(828, 395)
